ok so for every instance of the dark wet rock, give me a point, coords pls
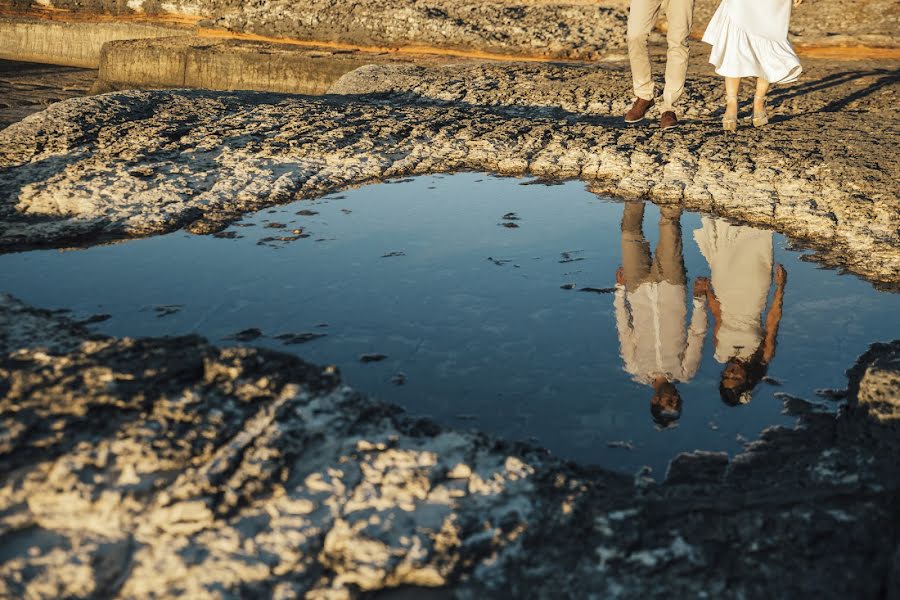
(542, 181)
(509, 225)
(832, 394)
(794, 405)
(399, 379)
(164, 310)
(373, 357)
(567, 286)
(275, 225)
(393, 254)
(168, 466)
(290, 339)
(771, 380)
(227, 235)
(27, 87)
(570, 256)
(245, 335)
(267, 241)
(697, 467)
(306, 212)
(596, 290)
(500, 261)
(95, 319)
(511, 216)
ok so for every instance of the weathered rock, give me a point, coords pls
(140, 163)
(74, 43)
(550, 29)
(27, 88)
(219, 64)
(162, 467)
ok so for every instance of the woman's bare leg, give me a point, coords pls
(732, 85)
(759, 99)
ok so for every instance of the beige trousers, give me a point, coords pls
(667, 263)
(641, 19)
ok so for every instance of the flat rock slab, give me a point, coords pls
(139, 163)
(232, 64)
(171, 467)
(27, 88)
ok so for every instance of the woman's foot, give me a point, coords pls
(729, 121)
(760, 116)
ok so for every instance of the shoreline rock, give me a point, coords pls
(140, 163)
(169, 466)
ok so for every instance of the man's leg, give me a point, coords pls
(635, 248)
(680, 15)
(641, 18)
(668, 264)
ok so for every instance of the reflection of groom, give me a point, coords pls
(651, 311)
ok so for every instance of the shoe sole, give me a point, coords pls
(634, 121)
(670, 126)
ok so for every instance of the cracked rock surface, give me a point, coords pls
(553, 29)
(139, 163)
(170, 467)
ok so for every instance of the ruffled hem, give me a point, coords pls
(737, 53)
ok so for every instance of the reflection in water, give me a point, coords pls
(740, 259)
(479, 323)
(656, 344)
(657, 347)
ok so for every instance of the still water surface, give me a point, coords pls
(471, 287)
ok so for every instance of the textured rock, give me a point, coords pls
(26, 88)
(561, 29)
(164, 467)
(227, 64)
(140, 163)
(74, 43)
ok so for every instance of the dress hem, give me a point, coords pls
(738, 53)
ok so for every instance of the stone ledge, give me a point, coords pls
(205, 158)
(171, 467)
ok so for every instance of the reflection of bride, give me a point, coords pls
(740, 260)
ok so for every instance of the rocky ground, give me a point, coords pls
(26, 88)
(170, 467)
(140, 163)
(561, 29)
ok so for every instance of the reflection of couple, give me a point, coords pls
(657, 346)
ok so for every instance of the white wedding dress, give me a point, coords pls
(749, 39)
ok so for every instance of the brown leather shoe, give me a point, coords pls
(638, 110)
(668, 120)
